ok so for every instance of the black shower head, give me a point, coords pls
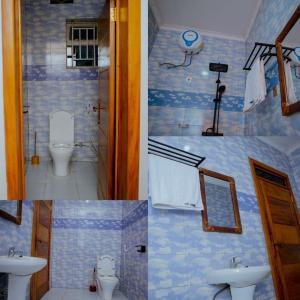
(221, 89)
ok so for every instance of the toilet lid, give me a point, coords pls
(106, 266)
(61, 127)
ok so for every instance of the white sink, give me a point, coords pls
(25, 265)
(242, 280)
(20, 270)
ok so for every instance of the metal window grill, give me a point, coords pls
(173, 153)
(82, 44)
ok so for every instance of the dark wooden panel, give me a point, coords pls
(281, 212)
(289, 254)
(291, 274)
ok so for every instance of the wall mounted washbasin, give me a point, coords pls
(20, 270)
(242, 280)
(21, 265)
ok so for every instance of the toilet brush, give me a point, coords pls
(35, 159)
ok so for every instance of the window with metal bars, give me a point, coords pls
(82, 43)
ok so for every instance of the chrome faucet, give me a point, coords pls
(235, 262)
(11, 252)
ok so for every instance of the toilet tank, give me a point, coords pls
(61, 127)
(106, 266)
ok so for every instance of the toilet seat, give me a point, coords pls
(61, 146)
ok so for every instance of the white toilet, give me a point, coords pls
(106, 276)
(61, 144)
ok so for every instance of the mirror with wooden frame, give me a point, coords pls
(289, 64)
(11, 211)
(220, 206)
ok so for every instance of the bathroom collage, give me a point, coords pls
(150, 149)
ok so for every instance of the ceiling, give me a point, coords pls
(230, 18)
(286, 144)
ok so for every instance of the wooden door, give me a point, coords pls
(106, 103)
(41, 246)
(128, 80)
(281, 227)
(119, 100)
(12, 92)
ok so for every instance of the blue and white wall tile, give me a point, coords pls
(134, 265)
(48, 84)
(83, 230)
(152, 29)
(170, 91)
(177, 242)
(13, 235)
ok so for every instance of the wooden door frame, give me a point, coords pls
(128, 106)
(266, 228)
(12, 92)
(36, 206)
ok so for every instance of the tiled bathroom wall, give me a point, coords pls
(48, 85)
(295, 163)
(266, 118)
(83, 230)
(13, 235)
(181, 100)
(181, 253)
(134, 265)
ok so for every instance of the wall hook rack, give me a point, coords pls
(173, 153)
(265, 52)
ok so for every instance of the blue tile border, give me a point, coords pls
(203, 101)
(70, 223)
(58, 73)
(137, 214)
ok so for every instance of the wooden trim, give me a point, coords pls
(287, 109)
(15, 219)
(266, 227)
(128, 62)
(212, 228)
(36, 207)
(13, 112)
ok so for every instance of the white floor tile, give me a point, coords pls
(81, 183)
(87, 192)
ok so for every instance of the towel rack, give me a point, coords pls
(265, 52)
(172, 153)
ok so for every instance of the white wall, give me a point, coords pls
(143, 182)
(3, 185)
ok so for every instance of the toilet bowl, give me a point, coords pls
(61, 143)
(106, 276)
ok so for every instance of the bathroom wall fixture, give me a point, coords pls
(214, 130)
(170, 152)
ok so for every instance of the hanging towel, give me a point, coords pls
(256, 89)
(290, 91)
(173, 185)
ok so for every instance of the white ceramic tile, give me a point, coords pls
(35, 190)
(87, 192)
(85, 174)
(61, 188)
(37, 174)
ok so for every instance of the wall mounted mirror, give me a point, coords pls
(289, 64)
(11, 211)
(221, 211)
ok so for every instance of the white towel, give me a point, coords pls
(173, 185)
(290, 91)
(256, 89)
